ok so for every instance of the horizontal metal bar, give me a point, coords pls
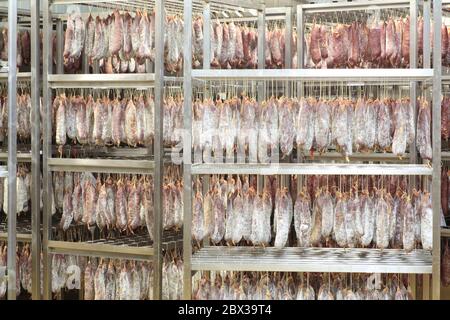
(313, 169)
(445, 156)
(21, 157)
(294, 259)
(276, 11)
(356, 5)
(65, 2)
(101, 165)
(248, 4)
(101, 81)
(20, 76)
(253, 19)
(92, 151)
(360, 156)
(445, 232)
(21, 237)
(100, 250)
(353, 75)
(173, 79)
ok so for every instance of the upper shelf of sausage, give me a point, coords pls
(121, 42)
(124, 42)
(369, 44)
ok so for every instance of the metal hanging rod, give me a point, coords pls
(102, 165)
(101, 81)
(312, 169)
(445, 232)
(291, 259)
(21, 157)
(171, 6)
(23, 234)
(20, 237)
(100, 250)
(354, 6)
(353, 75)
(22, 76)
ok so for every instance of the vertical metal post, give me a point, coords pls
(413, 13)
(12, 147)
(35, 152)
(159, 147)
(413, 284)
(413, 52)
(300, 65)
(261, 64)
(261, 50)
(207, 35)
(60, 47)
(427, 34)
(288, 39)
(261, 38)
(413, 65)
(426, 287)
(288, 47)
(47, 146)
(187, 154)
(300, 37)
(436, 134)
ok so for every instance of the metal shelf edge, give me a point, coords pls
(102, 165)
(20, 75)
(357, 5)
(21, 157)
(306, 260)
(100, 81)
(312, 169)
(353, 75)
(445, 156)
(445, 232)
(100, 250)
(21, 237)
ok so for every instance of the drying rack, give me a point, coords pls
(445, 155)
(26, 230)
(313, 259)
(148, 163)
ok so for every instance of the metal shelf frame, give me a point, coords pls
(445, 232)
(312, 260)
(20, 76)
(100, 250)
(350, 260)
(20, 237)
(101, 165)
(12, 236)
(313, 169)
(101, 81)
(151, 163)
(353, 75)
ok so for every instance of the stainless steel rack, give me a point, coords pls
(353, 75)
(312, 260)
(320, 260)
(13, 230)
(150, 162)
(23, 231)
(313, 169)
